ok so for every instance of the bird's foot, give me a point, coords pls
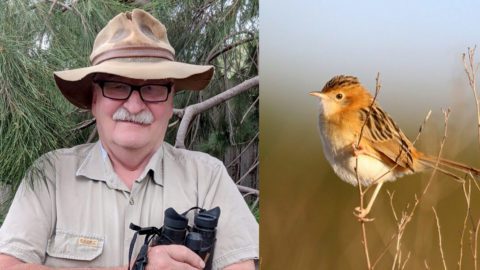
(358, 150)
(361, 214)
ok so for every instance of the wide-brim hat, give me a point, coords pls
(133, 45)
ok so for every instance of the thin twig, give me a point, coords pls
(440, 239)
(248, 172)
(467, 194)
(84, 124)
(406, 260)
(361, 193)
(65, 6)
(243, 151)
(54, 2)
(92, 135)
(475, 245)
(407, 216)
(422, 126)
(471, 71)
(245, 189)
(249, 109)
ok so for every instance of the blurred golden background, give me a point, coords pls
(306, 215)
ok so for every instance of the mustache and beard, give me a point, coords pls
(144, 117)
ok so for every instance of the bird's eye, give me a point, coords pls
(339, 96)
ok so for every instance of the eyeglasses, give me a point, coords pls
(123, 91)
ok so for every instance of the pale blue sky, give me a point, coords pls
(415, 45)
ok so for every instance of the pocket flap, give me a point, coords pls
(75, 246)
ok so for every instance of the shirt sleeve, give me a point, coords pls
(28, 224)
(237, 229)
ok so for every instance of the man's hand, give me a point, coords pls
(173, 257)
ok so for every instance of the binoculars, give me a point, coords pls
(200, 238)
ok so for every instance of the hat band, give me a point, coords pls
(131, 52)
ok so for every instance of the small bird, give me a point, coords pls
(384, 152)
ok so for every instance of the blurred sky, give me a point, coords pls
(416, 46)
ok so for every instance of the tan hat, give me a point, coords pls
(133, 45)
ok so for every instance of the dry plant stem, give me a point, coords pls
(52, 6)
(406, 260)
(475, 244)
(407, 216)
(92, 135)
(254, 166)
(85, 124)
(249, 109)
(471, 71)
(467, 193)
(192, 110)
(245, 189)
(440, 239)
(255, 203)
(361, 193)
(243, 151)
(397, 262)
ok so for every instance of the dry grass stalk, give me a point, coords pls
(467, 193)
(406, 214)
(360, 189)
(471, 70)
(474, 243)
(440, 239)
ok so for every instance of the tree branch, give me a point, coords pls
(191, 111)
(250, 190)
(214, 54)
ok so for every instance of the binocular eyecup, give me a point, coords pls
(200, 238)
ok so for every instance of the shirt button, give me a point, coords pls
(131, 201)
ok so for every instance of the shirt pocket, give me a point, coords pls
(75, 246)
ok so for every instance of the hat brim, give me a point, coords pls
(76, 84)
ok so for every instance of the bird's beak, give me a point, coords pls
(317, 94)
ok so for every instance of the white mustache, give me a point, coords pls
(144, 117)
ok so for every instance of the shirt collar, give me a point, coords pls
(155, 164)
(97, 166)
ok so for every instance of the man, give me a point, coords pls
(74, 207)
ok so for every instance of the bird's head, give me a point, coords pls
(342, 93)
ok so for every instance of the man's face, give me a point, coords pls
(130, 135)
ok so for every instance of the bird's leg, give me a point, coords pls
(358, 150)
(361, 213)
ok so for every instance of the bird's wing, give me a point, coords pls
(385, 138)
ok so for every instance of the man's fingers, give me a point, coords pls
(183, 254)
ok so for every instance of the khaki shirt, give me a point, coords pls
(76, 212)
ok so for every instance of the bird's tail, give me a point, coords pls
(445, 165)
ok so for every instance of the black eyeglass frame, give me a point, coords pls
(138, 88)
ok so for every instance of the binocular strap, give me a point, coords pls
(142, 258)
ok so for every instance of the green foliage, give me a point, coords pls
(211, 27)
(37, 38)
(34, 42)
(256, 211)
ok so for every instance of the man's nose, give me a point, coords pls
(134, 104)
